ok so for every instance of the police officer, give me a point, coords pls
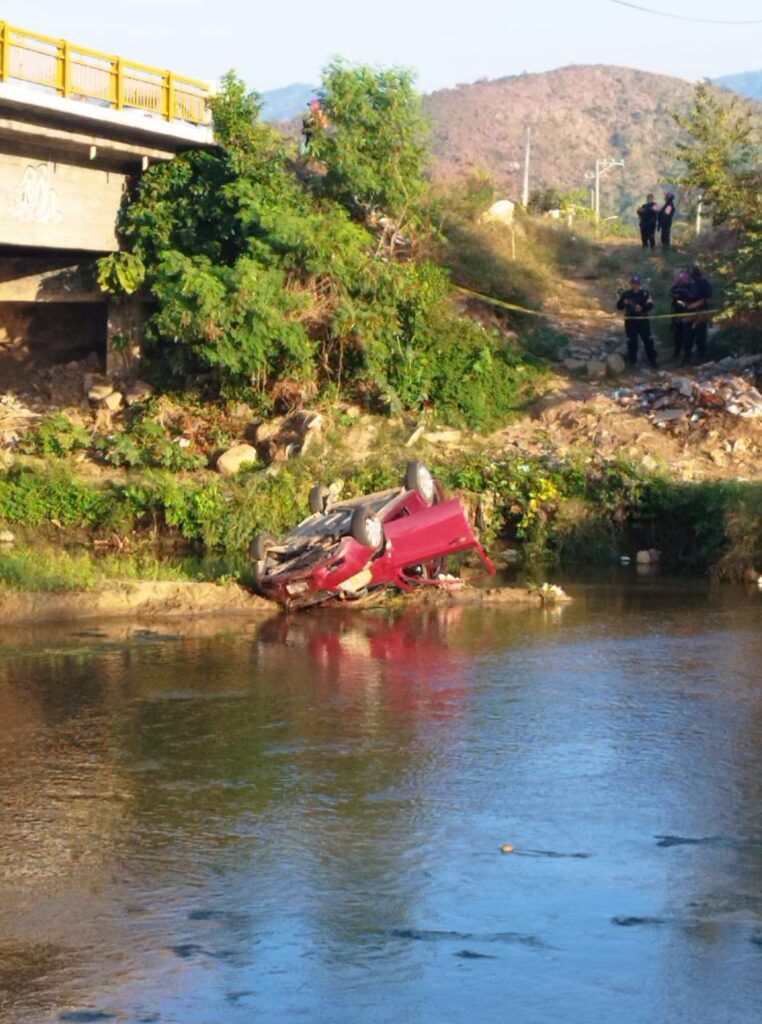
(648, 214)
(664, 219)
(701, 302)
(637, 303)
(681, 295)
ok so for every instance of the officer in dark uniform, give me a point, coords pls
(664, 219)
(701, 302)
(648, 214)
(637, 303)
(681, 295)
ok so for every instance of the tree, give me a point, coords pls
(722, 158)
(258, 275)
(375, 142)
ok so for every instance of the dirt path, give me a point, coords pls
(670, 418)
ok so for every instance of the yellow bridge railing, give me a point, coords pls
(75, 72)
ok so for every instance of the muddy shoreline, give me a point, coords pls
(148, 600)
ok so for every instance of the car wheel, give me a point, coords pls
(367, 529)
(319, 496)
(260, 545)
(418, 478)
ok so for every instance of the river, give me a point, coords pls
(302, 820)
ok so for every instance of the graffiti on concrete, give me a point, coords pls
(34, 198)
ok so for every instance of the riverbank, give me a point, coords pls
(595, 463)
(157, 600)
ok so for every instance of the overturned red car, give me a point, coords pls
(346, 550)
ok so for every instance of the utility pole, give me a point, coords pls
(525, 193)
(602, 167)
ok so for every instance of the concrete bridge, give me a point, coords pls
(75, 126)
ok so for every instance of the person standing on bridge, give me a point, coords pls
(648, 214)
(637, 303)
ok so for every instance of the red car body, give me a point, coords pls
(320, 560)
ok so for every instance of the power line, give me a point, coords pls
(685, 17)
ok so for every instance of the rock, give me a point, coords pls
(595, 369)
(97, 392)
(668, 415)
(231, 461)
(649, 463)
(113, 402)
(6, 537)
(682, 384)
(415, 436)
(574, 365)
(646, 557)
(137, 391)
(269, 429)
(443, 437)
(615, 363)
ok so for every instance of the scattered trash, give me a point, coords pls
(728, 386)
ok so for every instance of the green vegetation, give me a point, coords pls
(58, 569)
(264, 271)
(583, 508)
(721, 162)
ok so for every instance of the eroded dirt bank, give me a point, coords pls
(131, 599)
(157, 600)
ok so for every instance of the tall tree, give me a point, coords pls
(374, 143)
(722, 161)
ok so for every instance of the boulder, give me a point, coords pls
(137, 391)
(596, 369)
(97, 392)
(615, 364)
(112, 402)
(650, 557)
(231, 461)
(574, 365)
(6, 537)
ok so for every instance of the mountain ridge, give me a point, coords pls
(577, 114)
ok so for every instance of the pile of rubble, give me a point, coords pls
(605, 357)
(730, 386)
(15, 419)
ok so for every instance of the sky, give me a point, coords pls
(446, 42)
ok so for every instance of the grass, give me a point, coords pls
(46, 568)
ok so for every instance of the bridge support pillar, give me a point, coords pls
(124, 336)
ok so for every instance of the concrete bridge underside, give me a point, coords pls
(64, 172)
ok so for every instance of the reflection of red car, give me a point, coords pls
(347, 549)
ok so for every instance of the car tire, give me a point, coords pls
(318, 499)
(367, 529)
(260, 545)
(418, 478)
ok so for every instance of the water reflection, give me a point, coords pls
(309, 814)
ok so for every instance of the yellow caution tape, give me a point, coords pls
(584, 314)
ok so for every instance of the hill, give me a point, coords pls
(286, 103)
(576, 115)
(748, 83)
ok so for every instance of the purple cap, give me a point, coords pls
(635, 279)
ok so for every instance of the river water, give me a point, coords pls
(302, 820)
